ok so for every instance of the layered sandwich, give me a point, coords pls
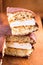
(20, 45)
(22, 23)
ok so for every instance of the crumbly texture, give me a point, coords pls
(21, 16)
(23, 30)
(18, 52)
(19, 39)
(10, 40)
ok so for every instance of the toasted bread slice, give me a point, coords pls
(18, 52)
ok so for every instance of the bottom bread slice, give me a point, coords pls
(18, 52)
(23, 30)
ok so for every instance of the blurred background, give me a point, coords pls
(34, 5)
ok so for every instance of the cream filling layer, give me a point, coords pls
(21, 45)
(22, 23)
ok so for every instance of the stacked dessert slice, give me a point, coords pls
(22, 23)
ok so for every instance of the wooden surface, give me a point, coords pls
(36, 57)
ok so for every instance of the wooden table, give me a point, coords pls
(36, 57)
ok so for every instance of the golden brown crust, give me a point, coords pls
(18, 52)
(19, 39)
(23, 30)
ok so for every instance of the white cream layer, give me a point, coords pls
(22, 23)
(21, 46)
